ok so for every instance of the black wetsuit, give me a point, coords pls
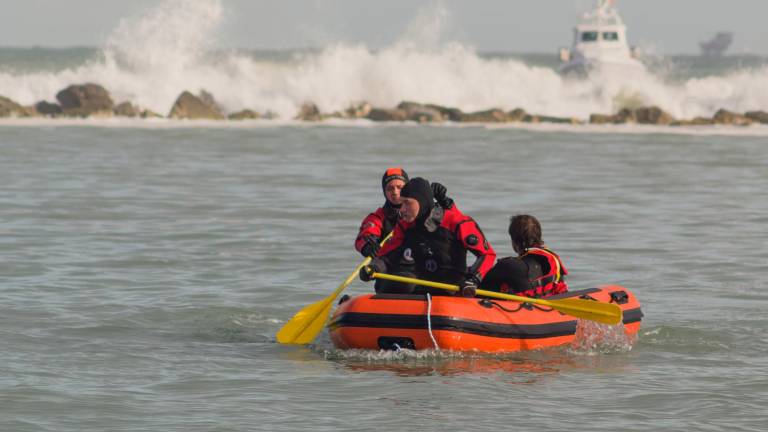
(514, 274)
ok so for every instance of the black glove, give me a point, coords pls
(376, 266)
(371, 246)
(439, 191)
(468, 288)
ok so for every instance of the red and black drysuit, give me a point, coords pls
(376, 226)
(382, 221)
(538, 272)
(434, 246)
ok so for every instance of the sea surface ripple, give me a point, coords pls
(144, 273)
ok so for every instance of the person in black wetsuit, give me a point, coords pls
(431, 242)
(535, 272)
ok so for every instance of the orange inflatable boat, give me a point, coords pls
(392, 321)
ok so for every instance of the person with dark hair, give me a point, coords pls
(431, 242)
(535, 272)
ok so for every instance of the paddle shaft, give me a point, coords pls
(587, 309)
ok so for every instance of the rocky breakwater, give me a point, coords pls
(87, 100)
(431, 113)
(654, 115)
(92, 100)
(80, 100)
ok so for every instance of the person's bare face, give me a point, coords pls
(392, 191)
(410, 209)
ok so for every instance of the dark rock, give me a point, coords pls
(357, 111)
(726, 117)
(48, 109)
(245, 114)
(516, 115)
(642, 115)
(150, 114)
(531, 118)
(698, 121)
(127, 109)
(31, 111)
(602, 119)
(625, 115)
(85, 100)
(409, 106)
(9, 108)
(702, 121)
(209, 100)
(653, 115)
(380, 114)
(420, 113)
(450, 114)
(494, 115)
(559, 120)
(308, 112)
(189, 106)
(757, 116)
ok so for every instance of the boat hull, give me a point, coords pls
(584, 68)
(465, 324)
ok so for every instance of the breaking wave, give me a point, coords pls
(150, 59)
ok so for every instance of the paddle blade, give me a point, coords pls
(304, 327)
(606, 313)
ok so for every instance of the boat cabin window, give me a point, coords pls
(610, 36)
(589, 36)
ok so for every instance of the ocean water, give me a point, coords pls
(146, 270)
(146, 265)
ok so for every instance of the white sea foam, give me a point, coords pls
(593, 338)
(150, 59)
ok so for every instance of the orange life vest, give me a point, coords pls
(551, 283)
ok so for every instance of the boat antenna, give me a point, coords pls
(604, 5)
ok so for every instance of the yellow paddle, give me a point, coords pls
(605, 313)
(304, 327)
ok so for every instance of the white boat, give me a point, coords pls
(600, 43)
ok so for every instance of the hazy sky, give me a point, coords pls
(665, 26)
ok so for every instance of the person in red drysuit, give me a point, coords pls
(431, 242)
(382, 221)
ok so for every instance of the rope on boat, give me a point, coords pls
(429, 321)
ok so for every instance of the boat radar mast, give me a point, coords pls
(599, 41)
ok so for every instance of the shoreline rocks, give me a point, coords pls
(85, 100)
(191, 107)
(652, 115)
(92, 100)
(127, 109)
(48, 109)
(757, 116)
(9, 108)
(308, 112)
(245, 114)
(730, 118)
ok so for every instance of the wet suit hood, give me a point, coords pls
(420, 190)
(393, 174)
(389, 175)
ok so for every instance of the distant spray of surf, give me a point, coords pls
(150, 59)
